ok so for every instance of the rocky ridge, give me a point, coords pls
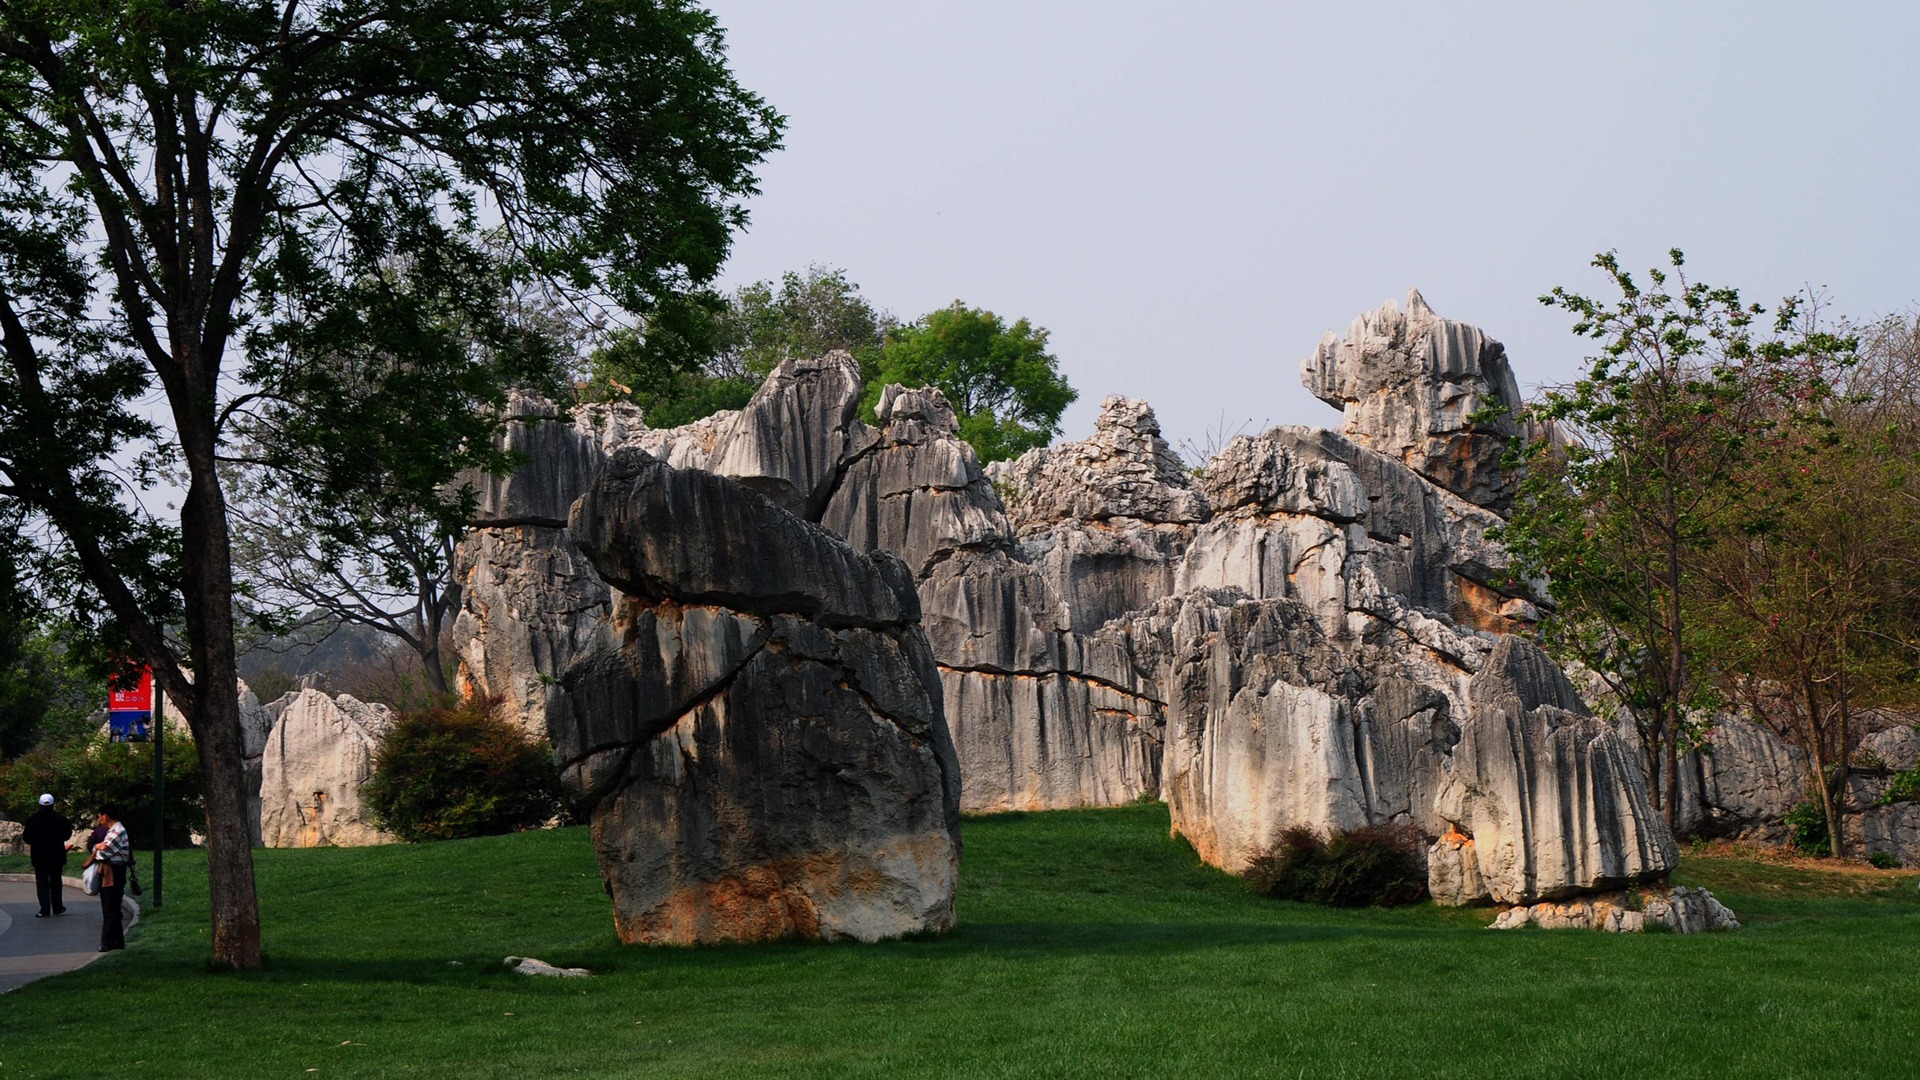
(1313, 630)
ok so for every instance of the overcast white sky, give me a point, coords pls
(1188, 195)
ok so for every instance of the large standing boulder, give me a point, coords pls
(1551, 797)
(758, 729)
(315, 761)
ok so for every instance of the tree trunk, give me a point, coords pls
(430, 664)
(1676, 674)
(207, 586)
(1672, 806)
(1842, 766)
(1650, 745)
(1817, 757)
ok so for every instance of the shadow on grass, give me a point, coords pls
(982, 941)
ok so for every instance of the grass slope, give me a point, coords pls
(1091, 946)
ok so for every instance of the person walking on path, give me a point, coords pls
(46, 835)
(115, 854)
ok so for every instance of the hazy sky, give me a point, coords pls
(1188, 195)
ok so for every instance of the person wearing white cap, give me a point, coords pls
(46, 835)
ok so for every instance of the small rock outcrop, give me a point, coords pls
(1436, 395)
(1679, 909)
(313, 764)
(758, 726)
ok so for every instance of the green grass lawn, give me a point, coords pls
(1091, 945)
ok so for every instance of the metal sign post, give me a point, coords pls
(159, 787)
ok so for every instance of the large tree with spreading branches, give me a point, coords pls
(209, 213)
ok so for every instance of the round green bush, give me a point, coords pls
(455, 771)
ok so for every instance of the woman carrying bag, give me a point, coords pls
(114, 855)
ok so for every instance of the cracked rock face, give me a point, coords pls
(1293, 636)
(313, 764)
(1410, 384)
(1546, 790)
(758, 725)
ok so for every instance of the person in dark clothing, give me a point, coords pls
(46, 835)
(115, 854)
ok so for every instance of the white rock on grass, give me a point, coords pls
(527, 965)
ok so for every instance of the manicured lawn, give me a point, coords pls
(1091, 946)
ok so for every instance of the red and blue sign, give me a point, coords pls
(130, 712)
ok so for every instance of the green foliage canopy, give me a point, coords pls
(703, 353)
(1627, 473)
(1005, 388)
(92, 772)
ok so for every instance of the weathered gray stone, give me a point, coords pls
(315, 761)
(1896, 746)
(917, 491)
(1410, 384)
(758, 728)
(530, 604)
(1891, 830)
(1125, 470)
(1550, 795)
(1679, 909)
(792, 438)
(1748, 777)
(1045, 712)
(655, 531)
(562, 455)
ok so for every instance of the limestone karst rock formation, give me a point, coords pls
(1545, 790)
(758, 727)
(313, 764)
(530, 601)
(1746, 777)
(1293, 636)
(1411, 385)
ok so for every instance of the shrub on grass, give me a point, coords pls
(458, 770)
(1376, 865)
(1885, 860)
(94, 771)
(1808, 825)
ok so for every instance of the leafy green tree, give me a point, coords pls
(345, 510)
(209, 200)
(1808, 597)
(1005, 388)
(1626, 481)
(705, 353)
(46, 699)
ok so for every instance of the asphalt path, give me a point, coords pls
(32, 948)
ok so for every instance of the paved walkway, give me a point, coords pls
(33, 948)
